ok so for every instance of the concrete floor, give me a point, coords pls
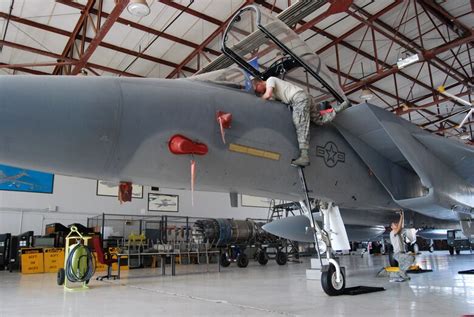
(256, 291)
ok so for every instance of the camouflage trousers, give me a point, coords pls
(321, 118)
(404, 262)
(301, 118)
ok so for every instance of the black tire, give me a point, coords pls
(451, 250)
(458, 251)
(281, 258)
(61, 277)
(329, 284)
(242, 260)
(224, 260)
(262, 257)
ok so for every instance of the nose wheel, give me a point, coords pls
(329, 281)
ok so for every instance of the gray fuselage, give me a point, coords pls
(119, 129)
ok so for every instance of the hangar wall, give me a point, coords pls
(75, 199)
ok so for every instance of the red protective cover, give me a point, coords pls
(179, 144)
(323, 112)
(224, 118)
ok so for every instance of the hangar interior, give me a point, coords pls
(204, 252)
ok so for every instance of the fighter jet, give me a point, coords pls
(147, 131)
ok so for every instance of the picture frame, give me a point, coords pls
(24, 180)
(254, 201)
(110, 189)
(163, 202)
(259, 202)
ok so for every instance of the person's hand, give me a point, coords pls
(400, 212)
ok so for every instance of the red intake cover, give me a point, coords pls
(179, 144)
(225, 117)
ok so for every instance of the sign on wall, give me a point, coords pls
(23, 180)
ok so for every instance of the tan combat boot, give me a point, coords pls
(303, 160)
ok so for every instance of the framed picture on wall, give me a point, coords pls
(161, 202)
(23, 180)
(259, 202)
(110, 189)
(254, 201)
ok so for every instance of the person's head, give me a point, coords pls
(259, 86)
(394, 226)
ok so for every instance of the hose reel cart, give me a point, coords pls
(79, 264)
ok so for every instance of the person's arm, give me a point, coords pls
(269, 86)
(401, 223)
(268, 93)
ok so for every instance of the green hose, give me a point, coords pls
(80, 264)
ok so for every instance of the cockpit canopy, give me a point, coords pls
(232, 77)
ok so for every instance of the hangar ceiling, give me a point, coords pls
(361, 46)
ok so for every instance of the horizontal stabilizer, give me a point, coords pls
(297, 228)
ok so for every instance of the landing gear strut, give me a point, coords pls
(332, 275)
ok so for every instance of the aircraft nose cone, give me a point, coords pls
(297, 228)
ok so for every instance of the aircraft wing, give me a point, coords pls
(290, 17)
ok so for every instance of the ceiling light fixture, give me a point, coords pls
(402, 63)
(138, 8)
(366, 94)
(83, 72)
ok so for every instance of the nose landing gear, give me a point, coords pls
(332, 275)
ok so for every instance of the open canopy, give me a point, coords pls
(265, 46)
